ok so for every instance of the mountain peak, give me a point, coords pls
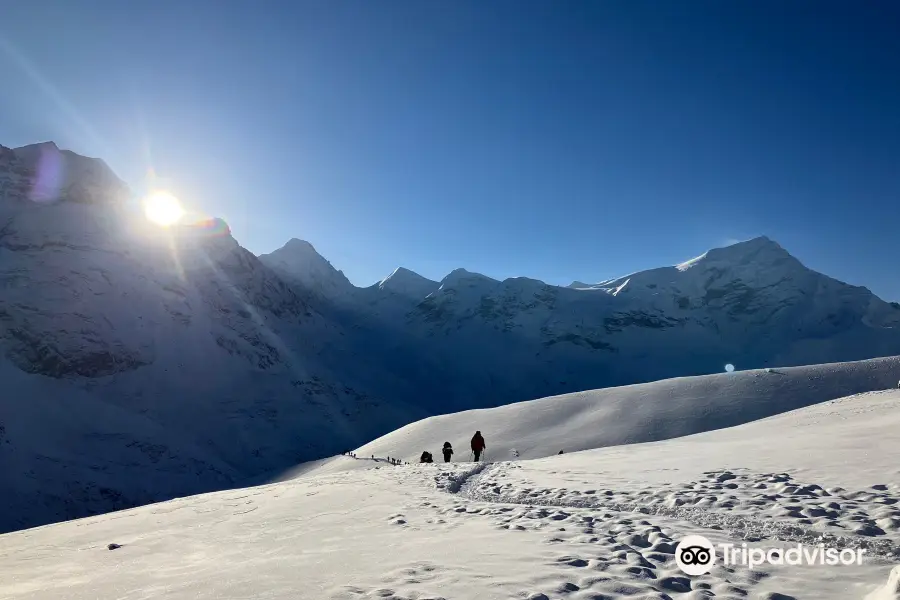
(297, 252)
(402, 273)
(761, 241)
(24, 151)
(760, 250)
(297, 247)
(299, 261)
(459, 273)
(298, 243)
(458, 276)
(57, 175)
(409, 283)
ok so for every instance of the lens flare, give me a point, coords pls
(163, 208)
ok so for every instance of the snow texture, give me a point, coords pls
(584, 525)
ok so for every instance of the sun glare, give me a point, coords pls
(163, 208)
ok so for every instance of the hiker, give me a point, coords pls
(560, 451)
(426, 457)
(478, 445)
(448, 451)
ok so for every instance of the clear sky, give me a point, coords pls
(556, 140)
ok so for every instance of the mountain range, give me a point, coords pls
(141, 363)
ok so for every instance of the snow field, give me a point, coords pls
(593, 525)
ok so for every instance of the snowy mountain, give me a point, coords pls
(596, 524)
(406, 283)
(493, 342)
(298, 262)
(141, 363)
(750, 304)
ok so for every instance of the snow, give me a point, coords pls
(64, 175)
(637, 413)
(472, 341)
(406, 282)
(140, 363)
(584, 525)
(197, 365)
(299, 262)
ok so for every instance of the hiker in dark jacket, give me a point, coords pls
(426, 457)
(478, 445)
(448, 451)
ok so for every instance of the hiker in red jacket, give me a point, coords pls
(478, 445)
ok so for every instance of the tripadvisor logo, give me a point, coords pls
(696, 555)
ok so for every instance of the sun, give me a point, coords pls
(163, 208)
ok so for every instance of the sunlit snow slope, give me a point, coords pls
(636, 413)
(595, 524)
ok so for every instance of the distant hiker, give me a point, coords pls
(448, 451)
(426, 457)
(560, 451)
(478, 445)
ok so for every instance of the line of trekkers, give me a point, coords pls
(478, 447)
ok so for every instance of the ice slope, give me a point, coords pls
(637, 413)
(584, 526)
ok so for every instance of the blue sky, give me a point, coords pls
(556, 140)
